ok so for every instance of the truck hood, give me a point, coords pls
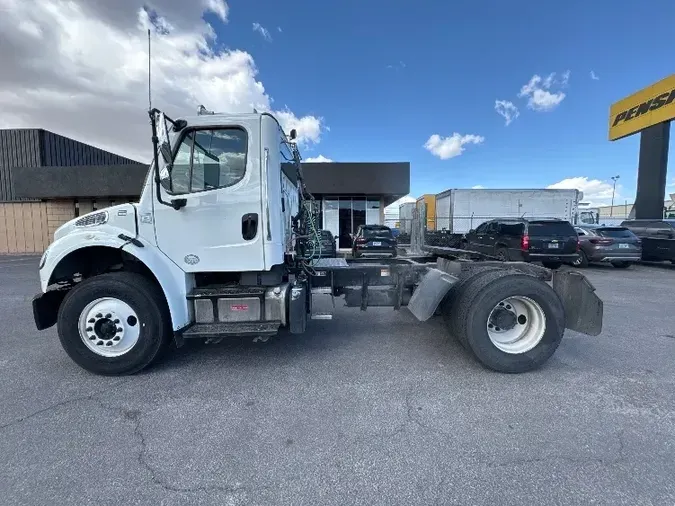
(120, 217)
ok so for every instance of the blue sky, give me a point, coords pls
(386, 75)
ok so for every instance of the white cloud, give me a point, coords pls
(543, 100)
(399, 66)
(79, 68)
(507, 109)
(317, 159)
(565, 79)
(594, 76)
(596, 192)
(308, 128)
(449, 147)
(279, 29)
(536, 91)
(257, 27)
(478, 187)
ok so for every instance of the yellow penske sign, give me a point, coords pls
(652, 105)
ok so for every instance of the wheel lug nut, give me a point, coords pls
(99, 343)
(116, 338)
(119, 329)
(108, 315)
(99, 315)
(116, 321)
(89, 329)
(92, 320)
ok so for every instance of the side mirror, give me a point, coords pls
(294, 134)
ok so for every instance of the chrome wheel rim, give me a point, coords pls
(109, 327)
(516, 325)
(577, 261)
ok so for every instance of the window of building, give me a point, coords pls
(209, 159)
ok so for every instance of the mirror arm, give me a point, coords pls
(155, 146)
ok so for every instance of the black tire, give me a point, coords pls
(552, 265)
(144, 297)
(450, 304)
(480, 298)
(502, 254)
(621, 265)
(582, 262)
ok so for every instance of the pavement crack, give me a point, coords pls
(64, 402)
(134, 416)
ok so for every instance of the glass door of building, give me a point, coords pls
(345, 234)
(343, 216)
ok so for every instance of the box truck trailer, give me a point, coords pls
(459, 210)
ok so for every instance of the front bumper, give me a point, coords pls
(46, 308)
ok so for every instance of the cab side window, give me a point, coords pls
(209, 159)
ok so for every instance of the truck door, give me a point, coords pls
(216, 171)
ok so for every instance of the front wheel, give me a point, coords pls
(513, 323)
(114, 324)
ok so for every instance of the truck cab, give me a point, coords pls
(216, 209)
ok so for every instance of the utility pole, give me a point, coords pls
(611, 209)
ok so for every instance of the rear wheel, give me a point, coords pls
(114, 324)
(513, 323)
(552, 265)
(621, 265)
(450, 304)
(582, 261)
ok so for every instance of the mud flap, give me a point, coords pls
(583, 308)
(429, 293)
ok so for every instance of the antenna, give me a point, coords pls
(149, 73)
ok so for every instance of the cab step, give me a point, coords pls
(232, 329)
(226, 291)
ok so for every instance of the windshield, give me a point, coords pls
(541, 228)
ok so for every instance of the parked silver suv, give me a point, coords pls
(616, 245)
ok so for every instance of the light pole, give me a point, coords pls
(611, 209)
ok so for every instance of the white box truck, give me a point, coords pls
(460, 210)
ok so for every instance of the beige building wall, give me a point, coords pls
(28, 227)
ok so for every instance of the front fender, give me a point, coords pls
(174, 282)
(72, 241)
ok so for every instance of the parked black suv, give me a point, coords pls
(549, 241)
(658, 238)
(374, 239)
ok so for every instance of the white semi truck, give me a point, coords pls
(216, 248)
(460, 210)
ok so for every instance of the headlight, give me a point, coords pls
(43, 260)
(92, 219)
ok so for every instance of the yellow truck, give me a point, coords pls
(428, 200)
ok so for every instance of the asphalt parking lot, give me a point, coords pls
(370, 408)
